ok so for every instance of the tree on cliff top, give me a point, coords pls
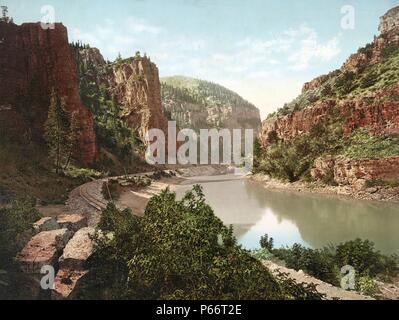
(4, 15)
(61, 132)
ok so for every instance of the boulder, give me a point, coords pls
(78, 250)
(46, 224)
(43, 249)
(66, 283)
(72, 222)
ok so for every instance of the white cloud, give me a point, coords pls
(258, 68)
(138, 26)
(311, 49)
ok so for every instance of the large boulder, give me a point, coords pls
(43, 249)
(66, 283)
(73, 264)
(78, 250)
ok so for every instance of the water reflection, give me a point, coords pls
(313, 220)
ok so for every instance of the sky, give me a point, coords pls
(264, 50)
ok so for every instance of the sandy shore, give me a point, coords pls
(384, 194)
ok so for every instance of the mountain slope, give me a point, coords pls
(199, 104)
(344, 127)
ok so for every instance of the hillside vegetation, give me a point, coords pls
(206, 101)
(292, 159)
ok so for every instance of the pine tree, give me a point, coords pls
(61, 132)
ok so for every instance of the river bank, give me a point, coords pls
(378, 193)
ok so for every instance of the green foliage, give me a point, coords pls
(266, 243)
(16, 219)
(178, 250)
(16, 226)
(292, 160)
(183, 91)
(112, 133)
(367, 80)
(83, 174)
(325, 264)
(111, 190)
(366, 285)
(363, 145)
(61, 132)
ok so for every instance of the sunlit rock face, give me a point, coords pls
(33, 62)
(133, 83)
(376, 110)
(389, 21)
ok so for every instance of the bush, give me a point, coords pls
(111, 190)
(16, 224)
(325, 264)
(16, 219)
(178, 250)
(292, 160)
(363, 145)
(266, 243)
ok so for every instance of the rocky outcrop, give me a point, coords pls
(389, 21)
(33, 62)
(43, 249)
(329, 291)
(72, 264)
(296, 123)
(46, 224)
(78, 250)
(315, 83)
(137, 89)
(73, 222)
(378, 112)
(66, 236)
(353, 97)
(348, 171)
(133, 84)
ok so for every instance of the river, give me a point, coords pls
(312, 220)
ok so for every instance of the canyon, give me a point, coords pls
(361, 95)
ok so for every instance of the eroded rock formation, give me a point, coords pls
(33, 62)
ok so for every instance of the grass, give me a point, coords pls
(26, 171)
(362, 145)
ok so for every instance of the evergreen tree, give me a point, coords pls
(61, 132)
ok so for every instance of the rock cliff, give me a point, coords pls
(33, 62)
(131, 84)
(361, 95)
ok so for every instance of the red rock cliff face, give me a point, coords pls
(376, 111)
(381, 116)
(33, 61)
(138, 90)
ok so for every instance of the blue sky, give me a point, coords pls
(262, 49)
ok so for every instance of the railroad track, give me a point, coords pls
(91, 200)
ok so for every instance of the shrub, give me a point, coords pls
(111, 190)
(325, 264)
(266, 243)
(16, 219)
(178, 250)
(16, 222)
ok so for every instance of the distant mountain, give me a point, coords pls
(199, 104)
